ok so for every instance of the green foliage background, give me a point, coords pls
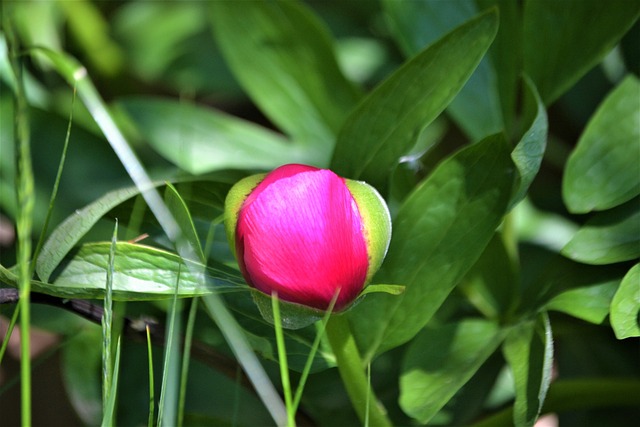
(504, 135)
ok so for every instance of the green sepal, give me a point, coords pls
(232, 204)
(376, 220)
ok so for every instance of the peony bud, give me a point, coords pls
(307, 234)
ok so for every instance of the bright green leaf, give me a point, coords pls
(604, 169)
(416, 24)
(529, 352)
(528, 153)
(439, 361)
(140, 273)
(283, 57)
(564, 39)
(590, 303)
(387, 123)
(625, 307)
(608, 237)
(201, 140)
(439, 232)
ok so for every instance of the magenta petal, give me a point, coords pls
(300, 233)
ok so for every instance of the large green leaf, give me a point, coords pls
(529, 352)
(140, 273)
(181, 213)
(439, 233)
(416, 24)
(589, 303)
(439, 361)
(564, 39)
(608, 237)
(387, 123)
(283, 57)
(625, 306)
(603, 170)
(200, 139)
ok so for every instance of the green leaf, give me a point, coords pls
(141, 273)
(439, 361)
(200, 140)
(476, 108)
(603, 171)
(387, 123)
(590, 303)
(439, 232)
(528, 153)
(608, 237)
(283, 57)
(564, 39)
(625, 307)
(67, 234)
(529, 352)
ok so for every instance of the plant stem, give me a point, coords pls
(353, 374)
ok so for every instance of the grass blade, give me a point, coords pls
(151, 385)
(184, 372)
(107, 323)
(25, 197)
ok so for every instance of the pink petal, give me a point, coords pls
(300, 233)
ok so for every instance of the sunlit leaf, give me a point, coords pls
(387, 123)
(608, 237)
(440, 361)
(141, 273)
(625, 307)
(603, 171)
(439, 232)
(590, 303)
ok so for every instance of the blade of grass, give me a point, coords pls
(184, 372)
(151, 385)
(108, 416)
(171, 361)
(25, 197)
(107, 323)
(74, 73)
(56, 184)
(282, 359)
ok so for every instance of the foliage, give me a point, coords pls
(504, 136)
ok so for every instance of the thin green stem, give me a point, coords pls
(5, 340)
(152, 398)
(352, 372)
(282, 358)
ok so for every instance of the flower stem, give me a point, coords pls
(353, 374)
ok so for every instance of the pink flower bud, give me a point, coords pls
(307, 234)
